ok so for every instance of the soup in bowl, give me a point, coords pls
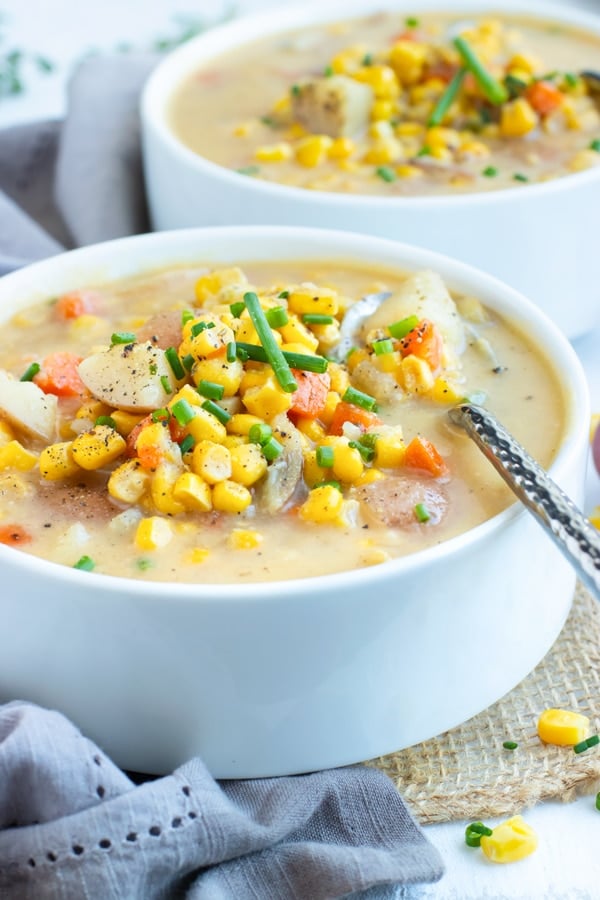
(254, 523)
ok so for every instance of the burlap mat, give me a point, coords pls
(465, 773)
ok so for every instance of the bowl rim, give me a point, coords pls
(326, 244)
(170, 72)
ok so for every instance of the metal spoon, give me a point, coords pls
(574, 535)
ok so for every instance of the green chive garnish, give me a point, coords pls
(259, 433)
(175, 363)
(518, 176)
(144, 564)
(474, 832)
(85, 564)
(248, 170)
(424, 151)
(277, 317)
(328, 71)
(386, 173)
(510, 745)
(367, 453)
(231, 352)
(400, 329)
(447, 99)
(271, 449)
(317, 319)
(160, 415)
(275, 357)
(422, 513)
(283, 295)
(295, 90)
(330, 483)
(598, 800)
(571, 79)
(153, 368)
(585, 745)
(237, 309)
(358, 398)
(218, 412)
(383, 346)
(490, 172)
(106, 420)
(595, 145)
(211, 390)
(186, 316)
(295, 360)
(122, 337)
(367, 59)
(494, 91)
(30, 372)
(325, 457)
(166, 384)
(183, 411)
(199, 327)
(514, 86)
(369, 439)
(411, 22)
(188, 362)
(187, 443)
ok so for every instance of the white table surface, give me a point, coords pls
(566, 865)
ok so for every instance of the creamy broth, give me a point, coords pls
(266, 109)
(59, 504)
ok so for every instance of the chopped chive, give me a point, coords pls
(386, 173)
(367, 453)
(474, 832)
(595, 145)
(571, 79)
(369, 439)
(106, 420)
(153, 368)
(317, 319)
(325, 457)
(495, 92)
(422, 513)
(85, 564)
(295, 90)
(218, 412)
(187, 443)
(230, 352)
(277, 317)
(175, 363)
(425, 150)
(283, 295)
(403, 327)
(186, 316)
(30, 372)
(447, 99)
(183, 411)
(329, 483)
(598, 800)
(199, 327)
(304, 361)
(243, 354)
(275, 357)
(383, 346)
(259, 433)
(367, 59)
(510, 745)
(585, 745)
(328, 71)
(188, 362)
(271, 449)
(359, 398)
(518, 176)
(237, 309)
(411, 22)
(122, 337)
(160, 415)
(248, 170)
(269, 121)
(144, 564)
(211, 389)
(166, 384)
(490, 172)
(514, 86)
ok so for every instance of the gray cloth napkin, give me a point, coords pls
(72, 825)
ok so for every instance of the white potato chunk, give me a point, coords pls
(129, 376)
(337, 106)
(27, 407)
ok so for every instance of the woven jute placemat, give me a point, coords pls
(465, 773)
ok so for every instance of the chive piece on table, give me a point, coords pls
(304, 361)
(173, 359)
(30, 372)
(183, 411)
(211, 390)
(494, 91)
(403, 327)
(510, 745)
(275, 357)
(277, 317)
(447, 99)
(122, 337)
(217, 411)
(317, 319)
(85, 564)
(187, 443)
(585, 745)
(474, 832)
(325, 457)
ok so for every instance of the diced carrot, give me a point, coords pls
(544, 96)
(421, 454)
(75, 304)
(424, 341)
(348, 412)
(131, 439)
(151, 456)
(311, 397)
(58, 375)
(14, 535)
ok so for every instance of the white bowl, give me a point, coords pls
(540, 239)
(267, 679)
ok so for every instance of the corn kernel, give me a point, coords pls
(6, 433)
(312, 471)
(267, 400)
(311, 151)
(526, 62)
(14, 456)
(382, 109)
(517, 118)
(91, 409)
(211, 461)
(595, 517)
(415, 375)
(347, 463)
(369, 476)
(241, 423)
(510, 841)
(349, 59)
(442, 137)
(193, 492)
(381, 79)
(248, 464)
(273, 152)
(162, 489)
(197, 555)
(407, 59)
(409, 129)
(206, 427)
(326, 414)
(208, 343)
(383, 152)
(585, 159)
(296, 332)
(341, 148)
(390, 449)
(243, 129)
(229, 496)
(310, 299)
(125, 422)
(244, 539)
(153, 533)
(211, 283)
(562, 727)
(408, 171)
(323, 504)
(128, 483)
(98, 447)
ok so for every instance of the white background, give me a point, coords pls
(567, 863)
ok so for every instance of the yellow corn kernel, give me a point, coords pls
(193, 492)
(125, 422)
(585, 159)
(381, 79)
(408, 171)
(283, 105)
(155, 439)
(244, 539)
(409, 129)
(211, 461)
(241, 423)
(341, 148)
(296, 332)
(390, 450)
(218, 370)
(248, 464)
(382, 110)
(234, 440)
(197, 555)
(312, 471)
(98, 447)
(243, 129)
(525, 61)
(326, 414)
(369, 476)
(153, 533)
(323, 504)
(311, 151)
(445, 392)
(383, 152)
(387, 362)
(255, 375)
(381, 131)
(441, 153)
(209, 342)
(311, 428)
(206, 427)
(128, 483)
(472, 148)
(273, 152)
(91, 409)
(267, 400)
(347, 462)
(211, 283)
(510, 841)
(562, 727)
(374, 556)
(442, 137)
(229, 496)
(162, 489)
(86, 326)
(14, 456)
(349, 59)
(355, 358)
(6, 433)
(407, 59)
(517, 118)
(308, 298)
(15, 485)
(327, 335)
(415, 375)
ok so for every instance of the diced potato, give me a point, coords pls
(132, 377)
(337, 106)
(27, 407)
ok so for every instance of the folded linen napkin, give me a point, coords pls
(73, 825)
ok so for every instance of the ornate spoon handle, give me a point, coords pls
(569, 529)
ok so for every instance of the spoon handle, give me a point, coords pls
(569, 529)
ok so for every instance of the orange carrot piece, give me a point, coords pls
(348, 412)
(58, 375)
(424, 341)
(14, 535)
(544, 96)
(310, 398)
(75, 304)
(421, 454)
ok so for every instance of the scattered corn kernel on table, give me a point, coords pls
(566, 863)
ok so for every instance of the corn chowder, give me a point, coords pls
(192, 425)
(395, 105)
